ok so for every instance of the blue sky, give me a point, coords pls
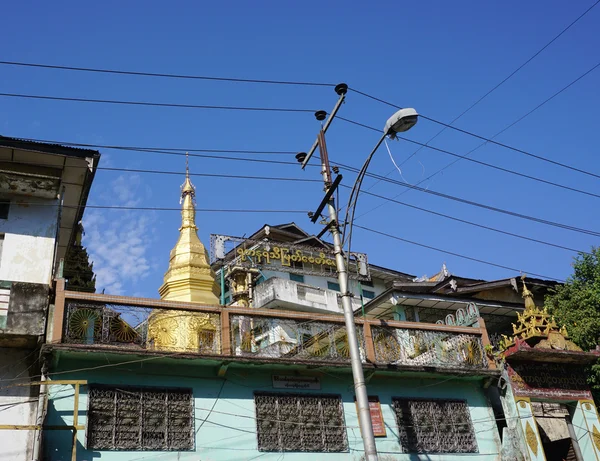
(438, 57)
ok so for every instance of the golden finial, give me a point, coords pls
(527, 295)
(187, 187)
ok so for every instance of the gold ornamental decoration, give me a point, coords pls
(387, 347)
(162, 330)
(596, 437)
(122, 332)
(184, 331)
(531, 438)
(83, 321)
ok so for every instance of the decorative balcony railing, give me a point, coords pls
(123, 323)
(285, 338)
(428, 348)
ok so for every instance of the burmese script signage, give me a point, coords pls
(296, 382)
(286, 257)
(549, 380)
(376, 416)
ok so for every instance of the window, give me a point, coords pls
(300, 422)
(4, 207)
(434, 426)
(333, 286)
(368, 294)
(297, 278)
(140, 418)
(367, 283)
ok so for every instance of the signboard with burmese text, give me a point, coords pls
(285, 257)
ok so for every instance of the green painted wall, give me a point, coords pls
(229, 431)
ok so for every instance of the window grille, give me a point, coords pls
(434, 426)
(300, 422)
(140, 418)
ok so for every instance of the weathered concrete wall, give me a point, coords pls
(27, 307)
(18, 404)
(225, 428)
(29, 236)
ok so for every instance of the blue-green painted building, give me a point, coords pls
(272, 380)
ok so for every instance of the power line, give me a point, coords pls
(203, 210)
(155, 104)
(164, 75)
(209, 175)
(445, 126)
(372, 175)
(150, 149)
(482, 226)
(476, 204)
(455, 254)
(491, 141)
(479, 162)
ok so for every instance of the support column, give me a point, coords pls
(587, 429)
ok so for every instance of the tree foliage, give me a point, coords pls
(576, 304)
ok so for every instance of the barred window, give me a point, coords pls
(434, 426)
(300, 422)
(140, 418)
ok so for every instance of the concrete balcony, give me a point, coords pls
(278, 293)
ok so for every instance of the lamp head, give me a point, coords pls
(401, 121)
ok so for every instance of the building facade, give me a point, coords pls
(246, 357)
(43, 191)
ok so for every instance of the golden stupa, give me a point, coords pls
(191, 279)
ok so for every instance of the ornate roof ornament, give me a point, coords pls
(537, 327)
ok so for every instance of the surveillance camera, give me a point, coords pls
(401, 121)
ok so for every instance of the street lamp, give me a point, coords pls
(401, 121)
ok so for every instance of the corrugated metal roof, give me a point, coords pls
(49, 148)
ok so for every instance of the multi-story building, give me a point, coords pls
(43, 192)
(248, 358)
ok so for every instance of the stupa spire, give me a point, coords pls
(189, 277)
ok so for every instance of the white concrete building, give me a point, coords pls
(43, 191)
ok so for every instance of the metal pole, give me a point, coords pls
(360, 388)
(223, 285)
(364, 414)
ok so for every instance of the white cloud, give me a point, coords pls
(118, 240)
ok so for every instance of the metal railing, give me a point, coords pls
(428, 348)
(124, 323)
